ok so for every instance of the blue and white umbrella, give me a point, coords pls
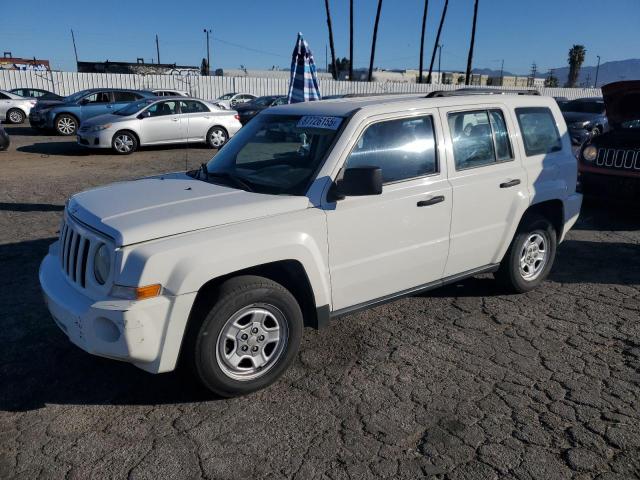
(303, 86)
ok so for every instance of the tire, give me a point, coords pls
(530, 256)
(124, 142)
(66, 124)
(217, 137)
(229, 347)
(15, 115)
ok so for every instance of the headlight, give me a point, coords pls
(97, 128)
(590, 153)
(102, 264)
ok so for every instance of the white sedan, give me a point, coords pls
(159, 122)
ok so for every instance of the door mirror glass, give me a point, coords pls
(359, 181)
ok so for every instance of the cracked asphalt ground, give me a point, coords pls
(463, 382)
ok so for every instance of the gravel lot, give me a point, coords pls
(463, 382)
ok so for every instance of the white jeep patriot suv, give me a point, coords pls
(310, 212)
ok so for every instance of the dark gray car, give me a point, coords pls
(586, 118)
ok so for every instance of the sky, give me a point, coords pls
(261, 33)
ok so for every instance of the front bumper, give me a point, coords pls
(609, 185)
(101, 139)
(40, 120)
(131, 331)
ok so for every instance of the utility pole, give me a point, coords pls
(351, 41)
(424, 24)
(467, 77)
(157, 49)
(440, 62)
(207, 32)
(502, 73)
(532, 76)
(595, 85)
(75, 51)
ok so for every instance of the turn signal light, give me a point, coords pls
(147, 292)
(136, 293)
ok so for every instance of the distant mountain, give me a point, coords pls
(609, 72)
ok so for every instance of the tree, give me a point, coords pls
(375, 38)
(576, 59)
(467, 78)
(343, 65)
(435, 46)
(551, 81)
(424, 24)
(333, 51)
(204, 68)
(351, 40)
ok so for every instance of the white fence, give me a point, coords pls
(66, 83)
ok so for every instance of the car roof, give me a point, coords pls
(344, 107)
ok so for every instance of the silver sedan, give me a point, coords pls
(14, 108)
(160, 121)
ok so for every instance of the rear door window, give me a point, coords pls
(126, 96)
(403, 149)
(539, 132)
(97, 97)
(191, 106)
(479, 138)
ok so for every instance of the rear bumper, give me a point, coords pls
(131, 331)
(571, 212)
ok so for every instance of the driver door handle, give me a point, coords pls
(175, 119)
(431, 201)
(510, 183)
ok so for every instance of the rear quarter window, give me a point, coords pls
(539, 132)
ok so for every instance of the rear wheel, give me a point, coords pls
(66, 124)
(16, 115)
(124, 143)
(530, 256)
(247, 339)
(217, 137)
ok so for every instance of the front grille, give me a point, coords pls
(74, 254)
(618, 158)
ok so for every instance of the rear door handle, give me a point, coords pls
(431, 201)
(510, 183)
(175, 119)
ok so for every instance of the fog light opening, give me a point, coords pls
(106, 330)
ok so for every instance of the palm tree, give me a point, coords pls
(435, 46)
(576, 59)
(473, 41)
(351, 40)
(375, 38)
(424, 24)
(333, 52)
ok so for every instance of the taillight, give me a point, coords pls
(236, 116)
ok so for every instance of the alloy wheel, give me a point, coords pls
(16, 116)
(123, 143)
(66, 126)
(251, 342)
(534, 255)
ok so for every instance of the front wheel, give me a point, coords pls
(16, 116)
(217, 137)
(530, 256)
(247, 339)
(124, 143)
(66, 124)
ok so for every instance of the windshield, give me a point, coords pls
(631, 124)
(277, 154)
(134, 107)
(263, 101)
(581, 106)
(226, 96)
(76, 96)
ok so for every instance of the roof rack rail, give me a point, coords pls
(480, 91)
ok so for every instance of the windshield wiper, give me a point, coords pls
(235, 179)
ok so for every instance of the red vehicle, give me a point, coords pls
(609, 164)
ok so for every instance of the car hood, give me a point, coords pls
(42, 104)
(571, 117)
(103, 119)
(622, 101)
(155, 207)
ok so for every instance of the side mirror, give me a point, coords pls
(84, 101)
(145, 114)
(358, 181)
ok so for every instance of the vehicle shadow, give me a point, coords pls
(19, 130)
(30, 207)
(613, 216)
(38, 364)
(70, 149)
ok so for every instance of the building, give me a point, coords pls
(139, 67)
(9, 62)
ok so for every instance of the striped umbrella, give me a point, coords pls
(303, 85)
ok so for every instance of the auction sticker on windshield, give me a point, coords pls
(313, 121)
